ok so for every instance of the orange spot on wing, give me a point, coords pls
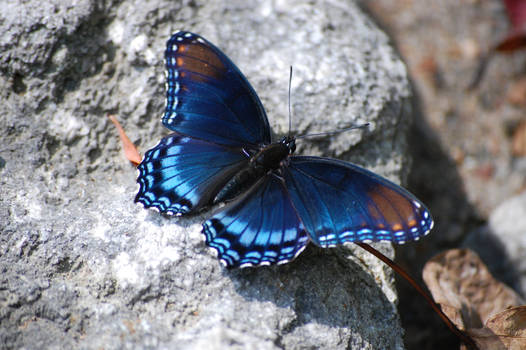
(206, 55)
(391, 205)
(397, 227)
(200, 59)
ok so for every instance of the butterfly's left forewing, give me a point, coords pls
(218, 120)
(207, 97)
(340, 202)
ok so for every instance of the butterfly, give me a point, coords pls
(274, 203)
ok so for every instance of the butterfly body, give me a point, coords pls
(271, 156)
(275, 202)
(267, 158)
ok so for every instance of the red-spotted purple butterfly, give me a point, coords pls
(275, 203)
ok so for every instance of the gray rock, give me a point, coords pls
(502, 243)
(83, 267)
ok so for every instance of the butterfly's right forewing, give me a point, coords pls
(182, 174)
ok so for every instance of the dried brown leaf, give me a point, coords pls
(465, 289)
(505, 330)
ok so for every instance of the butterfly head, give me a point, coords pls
(290, 143)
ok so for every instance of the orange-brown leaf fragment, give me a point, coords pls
(130, 151)
(516, 38)
(465, 289)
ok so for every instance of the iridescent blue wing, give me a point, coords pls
(340, 202)
(207, 97)
(181, 174)
(259, 228)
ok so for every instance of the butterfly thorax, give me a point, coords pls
(266, 159)
(271, 156)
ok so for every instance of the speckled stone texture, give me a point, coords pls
(83, 267)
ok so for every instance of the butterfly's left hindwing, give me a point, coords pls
(261, 227)
(339, 202)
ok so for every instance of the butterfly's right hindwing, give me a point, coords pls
(182, 175)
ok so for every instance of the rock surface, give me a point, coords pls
(501, 244)
(83, 267)
(466, 145)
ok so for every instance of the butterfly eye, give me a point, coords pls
(292, 146)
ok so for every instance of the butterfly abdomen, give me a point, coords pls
(240, 183)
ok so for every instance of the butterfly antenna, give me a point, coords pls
(334, 132)
(290, 113)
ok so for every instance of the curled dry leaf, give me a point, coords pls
(465, 289)
(129, 148)
(505, 330)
